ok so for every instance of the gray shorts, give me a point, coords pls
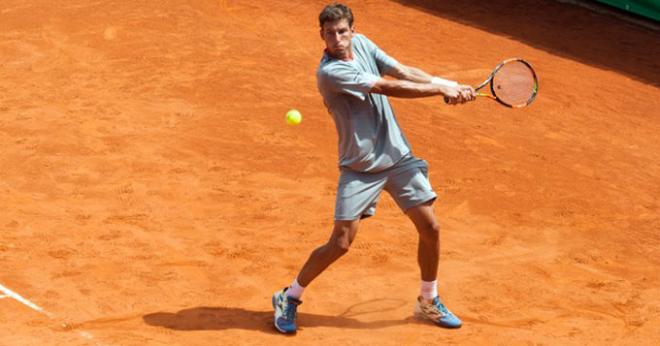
(407, 182)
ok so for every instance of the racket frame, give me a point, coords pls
(493, 94)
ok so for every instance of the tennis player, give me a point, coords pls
(374, 156)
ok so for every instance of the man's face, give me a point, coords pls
(337, 36)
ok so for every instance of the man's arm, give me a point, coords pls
(413, 82)
(408, 89)
(409, 73)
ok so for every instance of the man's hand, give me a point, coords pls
(460, 94)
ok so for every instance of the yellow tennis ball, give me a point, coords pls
(293, 117)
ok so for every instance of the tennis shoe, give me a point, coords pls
(437, 312)
(285, 312)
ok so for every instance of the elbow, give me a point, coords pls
(386, 87)
(380, 87)
(392, 88)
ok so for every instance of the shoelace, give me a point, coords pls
(441, 306)
(290, 311)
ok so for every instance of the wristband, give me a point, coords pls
(444, 82)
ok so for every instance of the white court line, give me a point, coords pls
(7, 293)
(11, 294)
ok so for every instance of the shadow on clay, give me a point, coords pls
(221, 318)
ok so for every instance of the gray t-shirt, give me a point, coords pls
(370, 139)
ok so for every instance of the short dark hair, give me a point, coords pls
(334, 12)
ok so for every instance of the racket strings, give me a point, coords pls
(515, 84)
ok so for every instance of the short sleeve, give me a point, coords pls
(347, 79)
(383, 61)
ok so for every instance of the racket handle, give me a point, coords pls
(476, 94)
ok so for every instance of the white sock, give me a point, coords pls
(295, 290)
(429, 289)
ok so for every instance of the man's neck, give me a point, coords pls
(348, 56)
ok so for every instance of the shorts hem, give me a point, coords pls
(428, 198)
(352, 218)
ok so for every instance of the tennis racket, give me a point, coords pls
(513, 83)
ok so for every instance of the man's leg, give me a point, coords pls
(285, 302)
(357, 196)
(340, 241)
(429, 305)
(428, 248)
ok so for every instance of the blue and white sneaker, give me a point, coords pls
(285, 312)
(437, 312)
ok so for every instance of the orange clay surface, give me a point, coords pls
(151, 192)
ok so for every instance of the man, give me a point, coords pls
(373, 155)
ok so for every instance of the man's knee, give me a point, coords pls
(340, 247)
(430, 231)
(341, 240)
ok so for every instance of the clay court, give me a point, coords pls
(152, 193)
